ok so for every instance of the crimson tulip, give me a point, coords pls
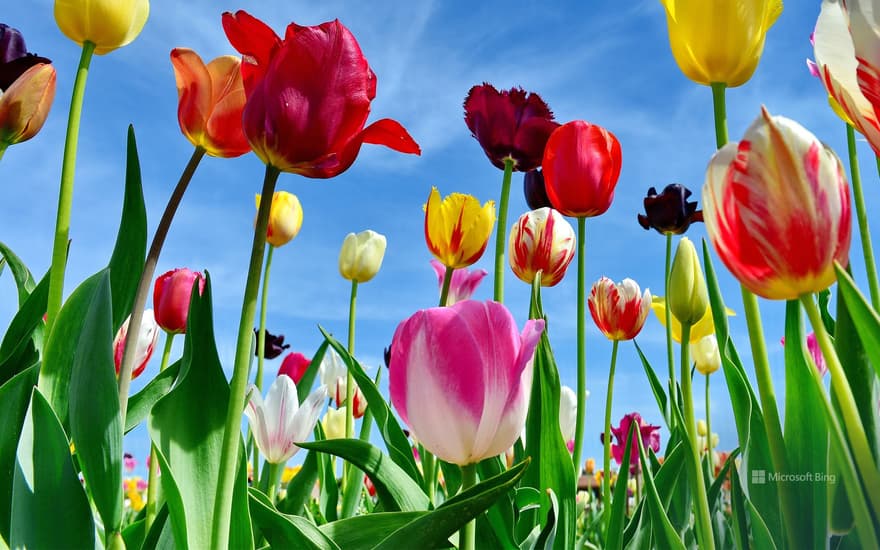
(295, 366)
(308, 96)
(171, 296)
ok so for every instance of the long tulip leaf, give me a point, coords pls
(23, 341)
(24, 281)
(141, 403)
(15, 397)
(284, 531)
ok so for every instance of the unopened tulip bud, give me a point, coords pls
(146, 343)
(701, 427)
(171, 297)
(688, 296)
(295, 366)
(285, 218)
(109, 24)
(706, 355)
(334, 423)
(361, 255)
(535, 190)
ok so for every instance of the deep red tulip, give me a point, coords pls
(581, 167)
(535, 191)
(295, 366)
(171, 296)
(308, 96)
(510, 124)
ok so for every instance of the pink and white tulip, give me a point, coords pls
(541, 240)
(146, 343)
(568, 416)
(334, 374)
(619, 310)
(463, 284)
(460, 378)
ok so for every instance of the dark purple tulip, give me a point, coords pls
(14, 57)
(670, 211)
(275, 345)
(535, 192)
(388, 356)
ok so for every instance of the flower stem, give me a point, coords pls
(152, 479)
(862, 217)
(709, 433)
(606, 464)
(467, 536)
(238, 385)
(670, 354)
(429, 464)
(581, 347)
(719, 104)
(501, 231)
(444, 290)
(349, 385)
(701, 503)
(143, 289)
(261, 336)
(65, 196)
(273, 477)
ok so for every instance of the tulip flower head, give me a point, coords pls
(670, 212)
(719, 41)
(703, 327)
(463, 284)
(581, 167)
(334, 375)
(619, 310)
(777, 209)
(688, 296)
(274, 345)
(461, 377)
(308, 97)
(511, 124)
(109, 24)
(279, 422)
(210, 102)
(171, 296)
(295, 366)
(815, 353)
(649, 433)
(146, 343)
(457, 228)
(285, 218)
(27, 89)
(361, 255)
(568, 415)
(535, 190)
(705, 354)
(333, 423)
(541, 241)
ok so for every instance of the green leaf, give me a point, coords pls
(656, 386)
(161, 535)
(299, 489)
(665, 533)
(96, 427)
(500, 516)
(614, 537)
(363, 531)
(23, 341)
(865, 320)
(451, 475)
(134, 533)
(304, 386)
(24, 281)
(394, 488)
(49, 506)
(127, 261)
(546, 537)
(433, 529)
(284, 531)
(329, 496)
(714, 492)
(141, 403)
(15, 396)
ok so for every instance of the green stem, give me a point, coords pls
(273, 476)
(720, 109)
(862, 217)
(606, 464)
(847, 404)
(145, 283)
(152, 479)
(581, 347)
(261, 336)
(670, 354)
(501, 232)
(65, 196)
(709, 433)
(467, 535)
(349, 386)
(232, 432)
(444, 290)
(430, 466)
(701, 504)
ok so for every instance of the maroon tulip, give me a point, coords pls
(535, 190)
(295, 366)
(670, 211)
(308, 97)
(274, 345)
(171, 296)
(14, 57)
(511, 124)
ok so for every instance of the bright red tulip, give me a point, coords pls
(581, 167)
(308, 97)
(146, 343)
(171, 296)
(295, 366)
(619, 310)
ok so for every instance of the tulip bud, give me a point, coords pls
(285, 218)
(361, 255)
(701, 427)
(541, 240)
(567, 413)
(688, 297)
(146, 343)
(535, 190)
(171, 296)
(619, 310)
(295, 366)
(706, 355)
(25, 105)
(109, 24)
(457, 228)
(334, 423)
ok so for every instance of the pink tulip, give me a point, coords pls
(171, 296)
(460, 378)
(146, 343)
(815, 353)
(295, 366)
(649, 433)
(463, 283)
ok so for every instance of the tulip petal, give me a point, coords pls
(25, 105)
(255, 40)
(391, 134)
(194, 92)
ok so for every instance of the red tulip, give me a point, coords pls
(619, 310)
(295, 366)
(171, 296)
(581, 167)
(308, 97)
(511, 124)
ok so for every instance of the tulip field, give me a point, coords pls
(484, 365)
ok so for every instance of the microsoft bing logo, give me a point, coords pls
(759, 477)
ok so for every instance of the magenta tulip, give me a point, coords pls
(295, 366)
(460, 378)
(171, 296)
(463, 284)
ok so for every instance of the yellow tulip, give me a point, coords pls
(285, 218)
(289, 473)
(334, 423)
(704, 327)
(109, 24)
(457, 228)
(719, 41)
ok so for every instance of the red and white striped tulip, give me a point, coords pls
(619, 310)
(777, 209)
(541, 240)
(146, 343)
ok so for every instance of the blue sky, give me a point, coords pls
(589, 60)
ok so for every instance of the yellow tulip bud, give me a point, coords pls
(701, 427)
(334, 423)
(457, 228)
(109, 24)
(361, 255)
(285, 218)
(688, 297)
(706, 355)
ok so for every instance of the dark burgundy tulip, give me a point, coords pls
(510, 124)
(275, 345)
(388, 356)
(670, 211)
(535, 192)
(14, 57)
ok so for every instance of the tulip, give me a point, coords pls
(670, 211)
(171, 296)
(619, 310)
(688, 296)
(128, 461)
(295, 366)
(109, 24)
(146, 343)
(279, 422)
(777, 209)
(541, 241)
(457, 228)
(535, 190)
(463, 283)
(334, 423)
(308, 97)
(274, 345)
(719, 41)
(210, 102)
(285, 218)
(511, 124)
(567, 415)
(705, 354)
(581, 166)
(25, 104)
(703, 327)
(815, 353)
(649, 433)
(334, 375)
(460, 378)
(14, 57)
(361, 255)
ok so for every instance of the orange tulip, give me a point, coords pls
(211, 100)
(25, 105)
